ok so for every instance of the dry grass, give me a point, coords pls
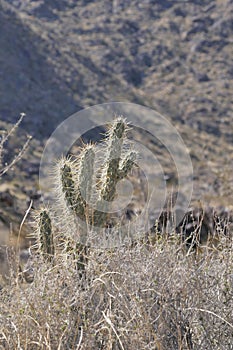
(142, 297)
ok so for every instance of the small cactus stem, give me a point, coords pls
(73, 196)
(110, 174)
(46, 235)
(86, 172)
(127, 164)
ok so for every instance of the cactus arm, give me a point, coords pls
(86, 172)
(45, 235)
(127, 164)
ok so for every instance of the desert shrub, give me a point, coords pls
(143, 297)
(8, 256)
(4, 137)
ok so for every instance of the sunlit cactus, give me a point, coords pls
(69, 188)
(85, 189)
(110, 170)
(86, 172)
(75, 181)
(127, 164)
(116, 167)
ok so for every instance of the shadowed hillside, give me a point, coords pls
(174, 56)
(28, 80)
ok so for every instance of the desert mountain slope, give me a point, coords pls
(28, 81)
(171, 55)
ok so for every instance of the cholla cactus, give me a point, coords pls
(80, 184)
(77, 183)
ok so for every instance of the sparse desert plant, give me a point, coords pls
(4, 136)
(7, 265)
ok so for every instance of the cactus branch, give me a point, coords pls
(71, 191)
(86, 171)
(46, 235)
(127, 164)
(115, 168)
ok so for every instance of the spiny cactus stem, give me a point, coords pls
(86, 172)
(73, 196)
(110, 174)
(127, 164)
(68, 185)
(108, 193)
(46, 235)
(118, 127)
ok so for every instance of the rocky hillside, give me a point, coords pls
(58, 57)
(175, 56)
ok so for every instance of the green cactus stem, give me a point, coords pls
(110, 173)
(86, 171)
(127, 164)
(71, 191)
(46, 235)
(114, 170)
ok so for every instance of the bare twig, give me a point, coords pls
(4, 138)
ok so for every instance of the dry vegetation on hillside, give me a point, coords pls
(162, 292)
(145, 297)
